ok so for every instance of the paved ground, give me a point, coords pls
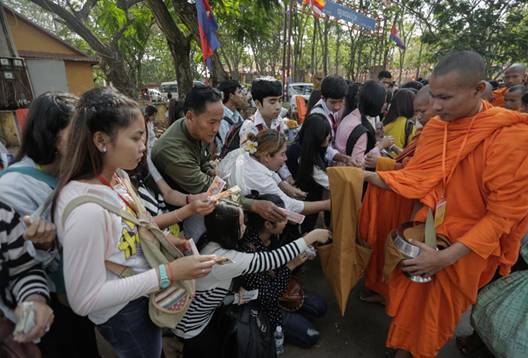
(361, 333)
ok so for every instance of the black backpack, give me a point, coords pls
(364, 127)
(232, 140)
(409, 126)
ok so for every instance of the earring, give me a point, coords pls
(103, 150)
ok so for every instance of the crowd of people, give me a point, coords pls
(245, 206)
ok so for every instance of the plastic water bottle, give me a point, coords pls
(279, 340)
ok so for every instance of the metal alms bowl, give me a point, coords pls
(407, 249)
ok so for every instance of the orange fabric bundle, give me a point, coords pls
(344, 260)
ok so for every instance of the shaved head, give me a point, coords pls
(422, 106)
(423, 94)
(513, 97)
(515, 75)
(516, 67)
(488, 93)
(467, 65)
(457, 85)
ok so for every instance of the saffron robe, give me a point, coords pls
(487, 207)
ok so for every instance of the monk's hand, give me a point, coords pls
(429, 262)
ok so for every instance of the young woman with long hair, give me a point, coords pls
(109, 135)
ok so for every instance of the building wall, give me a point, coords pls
(47, 75)
(28, 38)
(79, 76)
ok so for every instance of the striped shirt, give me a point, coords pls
(212, 289)
(20, 276)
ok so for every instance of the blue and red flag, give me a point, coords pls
(394, 36)
(317, 6)
(207, 27)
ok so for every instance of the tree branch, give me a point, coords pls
(165, 22)
(76, 26)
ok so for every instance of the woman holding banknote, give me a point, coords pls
(254, 169)
(202, 328)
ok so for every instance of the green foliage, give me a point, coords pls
(497, 29)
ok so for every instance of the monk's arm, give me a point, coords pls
(374, 179)
(453, 253)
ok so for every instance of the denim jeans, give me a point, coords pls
(298, 330)
(131, 333)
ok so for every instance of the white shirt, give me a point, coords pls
(90, 236)
(320, 107)
(249, 174)
(256, 125)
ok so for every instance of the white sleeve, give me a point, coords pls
(330, 154)
(266, 185)
(85, 274)
(320, 177)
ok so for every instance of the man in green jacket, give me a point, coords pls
(182, 157)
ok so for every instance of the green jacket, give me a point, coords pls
(182, 160)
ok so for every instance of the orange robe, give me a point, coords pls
(487, 210)
(499, 96)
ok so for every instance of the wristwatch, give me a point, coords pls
(164, 278)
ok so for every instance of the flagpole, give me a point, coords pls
(288, 76)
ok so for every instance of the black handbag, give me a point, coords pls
(252, 332)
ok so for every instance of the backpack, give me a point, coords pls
(357, 132)
(232, 140)
(409, 126)
(166, 306)
(32, 172)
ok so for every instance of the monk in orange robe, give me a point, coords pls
(514, 75)
(472, 159)
(374, 228)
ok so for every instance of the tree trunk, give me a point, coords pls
(314, 43)
(419, 60)
(338, 44)
(182, 65)
(325, 46)
(179, 45)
